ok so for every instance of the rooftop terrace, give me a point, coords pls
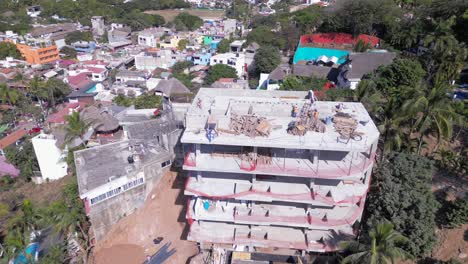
(217, 105)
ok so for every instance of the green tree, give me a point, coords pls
(219, 71)
(186, 21)
(75, 36)
(180, 66)
(433, 113)
(401, 193)
(182, 44)
(8, 95)
(266, 59)
(23, 158)
(69, 218)
(148, 101)
(69, 52)
(457, 214)
(56, 90)
(224, 46)
(76, 127)
(8, 49)
(446, 55)
(379, 247)
(122, 100)
(265, 37)
(308, 19)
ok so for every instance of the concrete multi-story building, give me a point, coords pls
(152, 36)
(38, 52)
(257, 184)
(152, 59)
(234, 60)
(99, 28)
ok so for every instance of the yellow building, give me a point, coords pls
(169, 43)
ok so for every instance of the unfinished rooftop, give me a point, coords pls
(100, 165)
(271, 111)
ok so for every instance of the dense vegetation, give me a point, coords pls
(401, 193)
(130, 12)
(219, 71)
(185, 21)
(8, 49)
(144, 101)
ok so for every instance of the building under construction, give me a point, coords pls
(276, 171)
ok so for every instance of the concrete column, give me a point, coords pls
(199, 176)
(351, 163)
(254, 178)
(197, 149)
(311, 183)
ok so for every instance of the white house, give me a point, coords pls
(234, 60)
(51, 159)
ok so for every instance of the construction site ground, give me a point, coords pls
(163, 215)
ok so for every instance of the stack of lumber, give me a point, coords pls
(250, 125)
(255, 158)
(307, 122)
(345, 125)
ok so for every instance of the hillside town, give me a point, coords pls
(233, 131)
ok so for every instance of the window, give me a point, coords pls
(166, 163)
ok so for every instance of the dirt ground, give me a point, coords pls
(451, 243)
(170, 14)
(163, 215)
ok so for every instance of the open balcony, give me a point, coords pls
(283, 162)
(266, 236)
(268, 189)
(336, 218)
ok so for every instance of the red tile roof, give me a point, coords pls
(95, 69)
(12, 138)
(59, 117)
(79, 80)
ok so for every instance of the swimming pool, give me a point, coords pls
(311, 54)
(91, 90)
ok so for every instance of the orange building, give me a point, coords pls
(40, 54)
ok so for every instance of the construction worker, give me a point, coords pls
(312, 97)
(315, 114)
(295, 111)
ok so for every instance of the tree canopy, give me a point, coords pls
(8, 49)
(219, 71)
(186, 21)
(401, 193)
(266, 59)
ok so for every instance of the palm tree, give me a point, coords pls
(8, 95)
(36, 88)
(76, 127)
(448, 54)
(434, 113)
(68, 218)
(380, 248)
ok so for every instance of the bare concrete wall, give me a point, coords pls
(105, 214)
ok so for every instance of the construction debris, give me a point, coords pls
(308, 121)
(250, 125)
(256, 158)
(346, 126)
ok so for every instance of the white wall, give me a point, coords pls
(51, 162)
